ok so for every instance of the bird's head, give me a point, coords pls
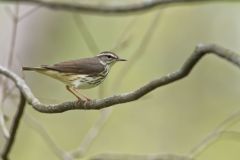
(109, 58)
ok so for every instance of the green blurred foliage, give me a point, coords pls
(173, 118)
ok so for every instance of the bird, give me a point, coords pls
(84, 73)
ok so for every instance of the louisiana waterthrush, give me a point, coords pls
(83, 73)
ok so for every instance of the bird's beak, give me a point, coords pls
(120, 59)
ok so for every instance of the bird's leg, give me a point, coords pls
(88, 99)
(70, 90)
(75, 93)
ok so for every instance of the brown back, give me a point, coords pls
(89, 66)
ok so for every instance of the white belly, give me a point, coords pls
(86, 82)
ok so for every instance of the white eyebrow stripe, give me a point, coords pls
(109, 54)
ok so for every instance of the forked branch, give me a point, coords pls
(197, 54)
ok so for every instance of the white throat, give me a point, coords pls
(102, 62)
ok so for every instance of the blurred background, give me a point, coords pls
(172, 119)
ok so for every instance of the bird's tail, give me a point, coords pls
(32, 68)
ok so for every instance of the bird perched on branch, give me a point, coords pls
(83, 73)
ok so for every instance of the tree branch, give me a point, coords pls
(105, 9)
(117, 156)
(198, 53)
(14, 127)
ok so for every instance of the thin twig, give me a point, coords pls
(189, 64)
(29, 12)
(212, 136)
(9, 93)
(106, 9)
(124, 37)
(15, 124)
(33, 123)
(91, 135)
(140, 51)
(15, 20)
(83, 29)
(3, 124)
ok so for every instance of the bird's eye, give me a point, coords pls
(109, 57)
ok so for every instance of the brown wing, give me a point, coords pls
(81, 66)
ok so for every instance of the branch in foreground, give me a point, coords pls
(114, 156)
(104, 9)
(14, 127)
(198, 53)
